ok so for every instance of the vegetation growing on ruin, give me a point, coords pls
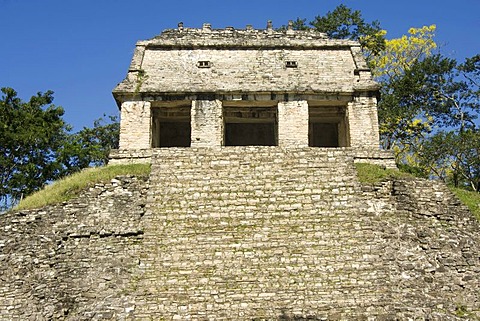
(429, 112)
(470, 199)
(70, 186)
(37, 145)
(371, 174)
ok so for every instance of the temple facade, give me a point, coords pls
(226, 87)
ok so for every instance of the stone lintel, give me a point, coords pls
(231, 98)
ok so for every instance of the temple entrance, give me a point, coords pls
(171, 126)
(250, 126)
(327, 126)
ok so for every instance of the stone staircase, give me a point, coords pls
(257, 233)
(244, 233)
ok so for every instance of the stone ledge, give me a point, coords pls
(130, 156)
(361, 155)
(380, 157)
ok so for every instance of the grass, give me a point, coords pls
(470, 199)
(371, 174)
(70, 186)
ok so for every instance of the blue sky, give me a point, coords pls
(81, 49)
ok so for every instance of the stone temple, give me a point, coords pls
(253, 207)
(226, 87)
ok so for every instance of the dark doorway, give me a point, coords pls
(250, 126)
(174, 134)
(248, 134)
(327, 126)
(323, 135)
(171, 127)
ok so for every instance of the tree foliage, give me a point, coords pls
(345, 23)
(90, 146)
(36, 145)
(454, 157)
(429, 109)
(399, 54)
(30, 137)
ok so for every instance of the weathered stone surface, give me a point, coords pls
(207, 123)
(293, 124)
(363, 122)
(72, 261)
(244, 233)
(308, 80)
(135, 127)
(256, 59)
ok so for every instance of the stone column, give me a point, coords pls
(135, 125)
(207, 123)
(293, 123)
(363, 122)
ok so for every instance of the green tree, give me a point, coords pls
(402, 120)
(454, 157)
(345, 23)
(90, 146)
(31, 133)
(429, 117)
(450, 93)
(36, 146)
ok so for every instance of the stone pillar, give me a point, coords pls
(293, 123)
(207, 123)
(362, 120)
(135, 125)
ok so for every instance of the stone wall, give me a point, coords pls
(293, 124)
(244, 233)
(241, 70)
(432, 245)
(363, 122)
(135, 125)
(73, 261)
(374, 156)
(380, 157)
(130, 156)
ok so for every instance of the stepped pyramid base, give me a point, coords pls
(249, 231)
(244, 233)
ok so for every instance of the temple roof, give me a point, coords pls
(206, 60)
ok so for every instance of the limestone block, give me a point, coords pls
(247, 70)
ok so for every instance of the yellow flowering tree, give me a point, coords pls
(404, 123)
(400, 53)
